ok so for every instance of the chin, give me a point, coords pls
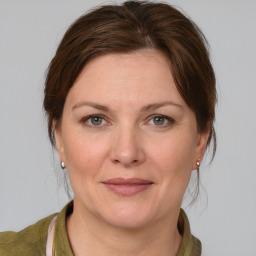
(128, 222)
(127, 217)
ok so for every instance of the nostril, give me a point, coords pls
(116, 161)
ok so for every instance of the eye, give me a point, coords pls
(94, 120)
(161, 120)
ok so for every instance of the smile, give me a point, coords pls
(127, 187)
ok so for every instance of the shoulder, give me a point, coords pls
(190, 245)
(29, 241)
(197, 246)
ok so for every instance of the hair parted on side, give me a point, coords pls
(128, 27)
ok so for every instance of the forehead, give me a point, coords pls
(148, 57)
(137, 77)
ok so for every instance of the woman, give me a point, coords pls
(130, 98)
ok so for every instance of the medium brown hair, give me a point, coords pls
(132, 26)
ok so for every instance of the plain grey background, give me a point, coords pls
(30, 31)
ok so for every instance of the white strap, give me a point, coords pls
(50, 237)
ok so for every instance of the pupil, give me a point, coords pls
(158, 120)
(96, 120)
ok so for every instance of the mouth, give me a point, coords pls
(127, 187)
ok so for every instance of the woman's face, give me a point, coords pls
(128, 139)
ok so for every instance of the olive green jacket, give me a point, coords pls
(31, 241)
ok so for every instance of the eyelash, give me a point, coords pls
(85, 120)
(167, 118)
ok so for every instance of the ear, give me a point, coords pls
(58, 140)
(202, 140)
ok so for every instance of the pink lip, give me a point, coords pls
(127, 187)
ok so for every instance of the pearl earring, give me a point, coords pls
(62, 164)
(198, 164)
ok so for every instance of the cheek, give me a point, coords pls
(175, 152)
(173, 160)
(173, 163)
(84, 154)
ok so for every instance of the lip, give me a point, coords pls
(127, 187)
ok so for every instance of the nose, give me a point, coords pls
(127, 147)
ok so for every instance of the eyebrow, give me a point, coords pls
(146, 108)
(91, 104)
(159, 105)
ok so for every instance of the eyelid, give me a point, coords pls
(86, 118)
(106, 119)
(168, 118)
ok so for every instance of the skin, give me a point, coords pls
(127, 141)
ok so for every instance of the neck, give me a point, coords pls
(88, 235)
